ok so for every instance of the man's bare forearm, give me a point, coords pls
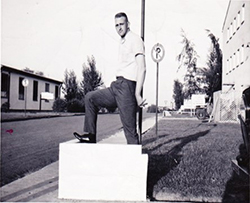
(141, 74)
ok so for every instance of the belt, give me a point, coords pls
(122, 78)
(119, 77)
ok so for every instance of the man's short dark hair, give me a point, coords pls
(121, 14)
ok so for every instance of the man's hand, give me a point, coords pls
(141, 103)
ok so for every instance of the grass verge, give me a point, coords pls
(191, 161)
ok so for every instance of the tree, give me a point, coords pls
(213, 72)
(178, 94)
(73, 98)
(92, 79)
(188, 59)
(70, 87)
(152, 109)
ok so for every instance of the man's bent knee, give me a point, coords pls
(89, 95)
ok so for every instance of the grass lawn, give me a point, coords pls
(191, 161)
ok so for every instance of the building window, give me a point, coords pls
(56, 92)
(234, 26)
(46, 87)
(243, 13)
(242, 54)
(234, 61)
(237, 58)
(4, 85)
(35, 90)
(231, 30)
(227, 66)
(231, 64)
(238, 20)
(20, 89)
(46, 90)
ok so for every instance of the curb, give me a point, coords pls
(37, 117)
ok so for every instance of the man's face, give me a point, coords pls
(121, 26)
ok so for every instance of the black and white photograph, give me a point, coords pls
(125, 101)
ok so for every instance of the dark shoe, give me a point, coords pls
(85, 138)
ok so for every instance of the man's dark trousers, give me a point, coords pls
(120, 94)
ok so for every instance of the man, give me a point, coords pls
(125, 92)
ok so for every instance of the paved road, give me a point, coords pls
(27, 146)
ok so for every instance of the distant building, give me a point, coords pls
(236, 59)
(236, 46)
(39, 94)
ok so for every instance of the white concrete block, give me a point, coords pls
(102, 172)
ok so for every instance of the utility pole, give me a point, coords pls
(142, 19)
(142, 36)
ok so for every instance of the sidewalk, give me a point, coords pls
(42, 186)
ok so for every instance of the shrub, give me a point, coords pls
(75, 105)
(5, 107)
(152, 109)
(59, 105)
(111, 110)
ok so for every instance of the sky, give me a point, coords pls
(54, 35)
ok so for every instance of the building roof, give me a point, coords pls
(25, 73)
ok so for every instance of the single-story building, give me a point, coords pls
(22, 90)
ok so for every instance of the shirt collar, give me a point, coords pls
(124, 38)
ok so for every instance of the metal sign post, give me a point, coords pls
(25, 83)
(157, 54)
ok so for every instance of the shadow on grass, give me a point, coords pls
(237, 190)
(161, 164)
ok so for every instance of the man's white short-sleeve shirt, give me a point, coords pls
(130, 46)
